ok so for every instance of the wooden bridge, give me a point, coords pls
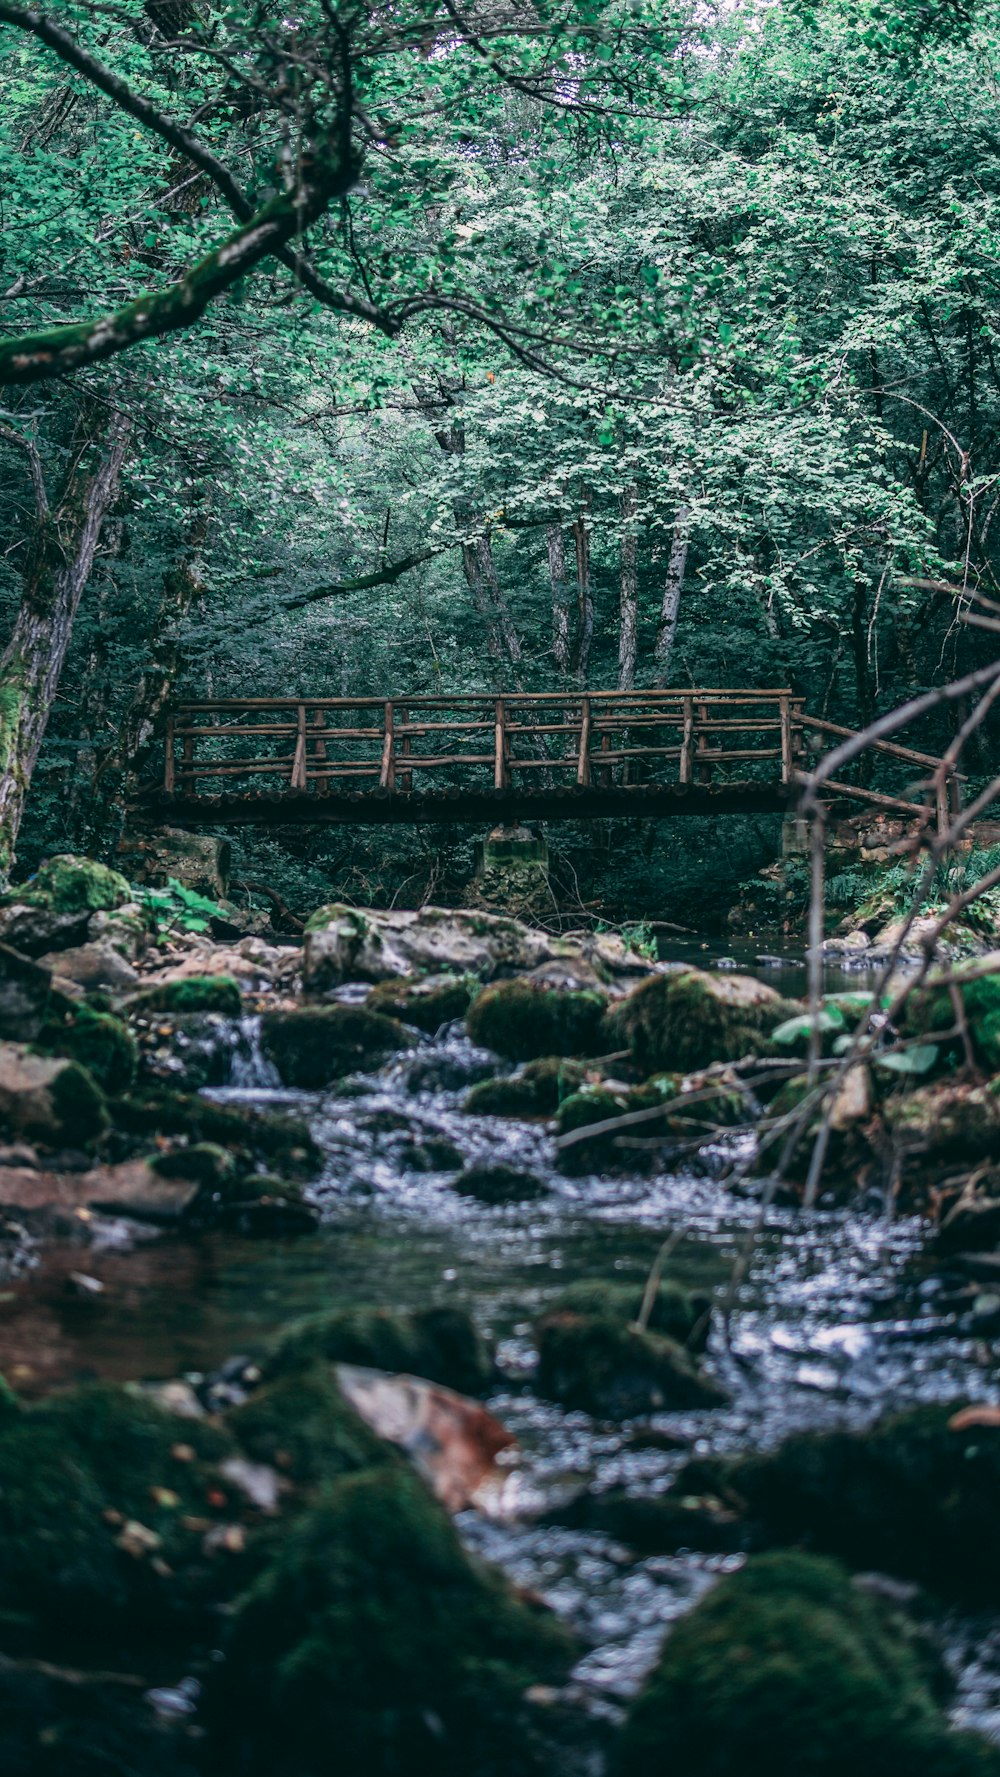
(547, 756)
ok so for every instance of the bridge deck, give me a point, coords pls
(551, 756)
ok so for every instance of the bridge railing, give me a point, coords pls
(317, 745)
(549, 741)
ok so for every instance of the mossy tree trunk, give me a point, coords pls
(673, 587)
(58, 569)
(628, 624)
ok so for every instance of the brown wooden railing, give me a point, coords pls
(522, 742)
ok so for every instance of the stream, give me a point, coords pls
(834, 1321)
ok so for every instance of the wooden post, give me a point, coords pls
(299, 761)
(322, 783)
(387, 776)
(686, 740)
(187, 759)
(405, 777)
(583, 756)
(501, 775)
(168, 758)
(786, 741)
(704, 768)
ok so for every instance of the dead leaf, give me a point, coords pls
(972, 1416)
(452, 1441)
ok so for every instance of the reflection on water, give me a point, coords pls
(832, 1322)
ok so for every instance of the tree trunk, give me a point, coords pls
(65, 545)
(584, 599)
(628, 624)
(673, 587)
(560, 597)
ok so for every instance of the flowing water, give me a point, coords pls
(835, 1320)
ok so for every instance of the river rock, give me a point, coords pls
(51, 1100)
(71, 884)
(25, 992)
(190, 993)
(440, 1344)
(252, 962)
(315, 1045)
(367, 944)
(91, 966)
(135, 1188)
(788, 1666)
(198, 861)
(945, 1121)
(497, 1182)
(428, 1002)
(523, 1020)
(595, 1363)
(35, 930)
(689, 1019)
(536, 1090)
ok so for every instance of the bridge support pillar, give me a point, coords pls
(512, 873)
(794, 836)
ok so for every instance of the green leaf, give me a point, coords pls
(803, 1025)
(918, 1060)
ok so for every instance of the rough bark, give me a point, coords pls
(584, 599)
(628, 623)
(673, 587)
(560, 596)
(60, 565)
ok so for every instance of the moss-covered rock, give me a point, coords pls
(49, 1099)
(426, 1001)
(915, 1495)
(77, 1473)
(690, 1019)
(99, 1041)
(302, 1425)
(945, 1121)
(600, 1365)
(676, 1312)
(930, 1010)
(787, 1667)
(499, 1183)
(441, 1344)
(25, 997)
(190, 993)
(257, 1136)
(315, 1045)
(70, 884)
(371, 1640)
(523, 1020)
(536, 1091)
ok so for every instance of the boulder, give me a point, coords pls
(441, 1344)
(92, 966)
(190, 993)
(690, 1019)
(600, 1365)
(428, 1002)
(913, 1495)
(256, 1136)
(497, 1182)
(71, 884)
(35, 930)
(48, 1099)
(25, 995)
(315, 1045)
(251, 962)
(350, 944)
(536, 1091)
(371, 1638)
(675, 1312)
(99, 1041)
(788, 1667)
(523, 1020)
(141, 1189)
(197, 860)
(945, 1121)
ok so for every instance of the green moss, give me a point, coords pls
(99, 1041)
(372, 1639)
(688, 1020)
(205, 1163)
(600, 1365)
(786, 1667)
(334, 914)
(427, 1003)
(70, 884)
(302, 1425)
(537, 1091)
(676, 1312)
(315, 1045)
(439, 1343)
(260, 1137)
(196, 993)
(522, 1020)
(79, 1104)
(910, 1496)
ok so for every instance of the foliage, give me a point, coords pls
(178, 908)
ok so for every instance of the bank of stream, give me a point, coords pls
(836, 1320)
